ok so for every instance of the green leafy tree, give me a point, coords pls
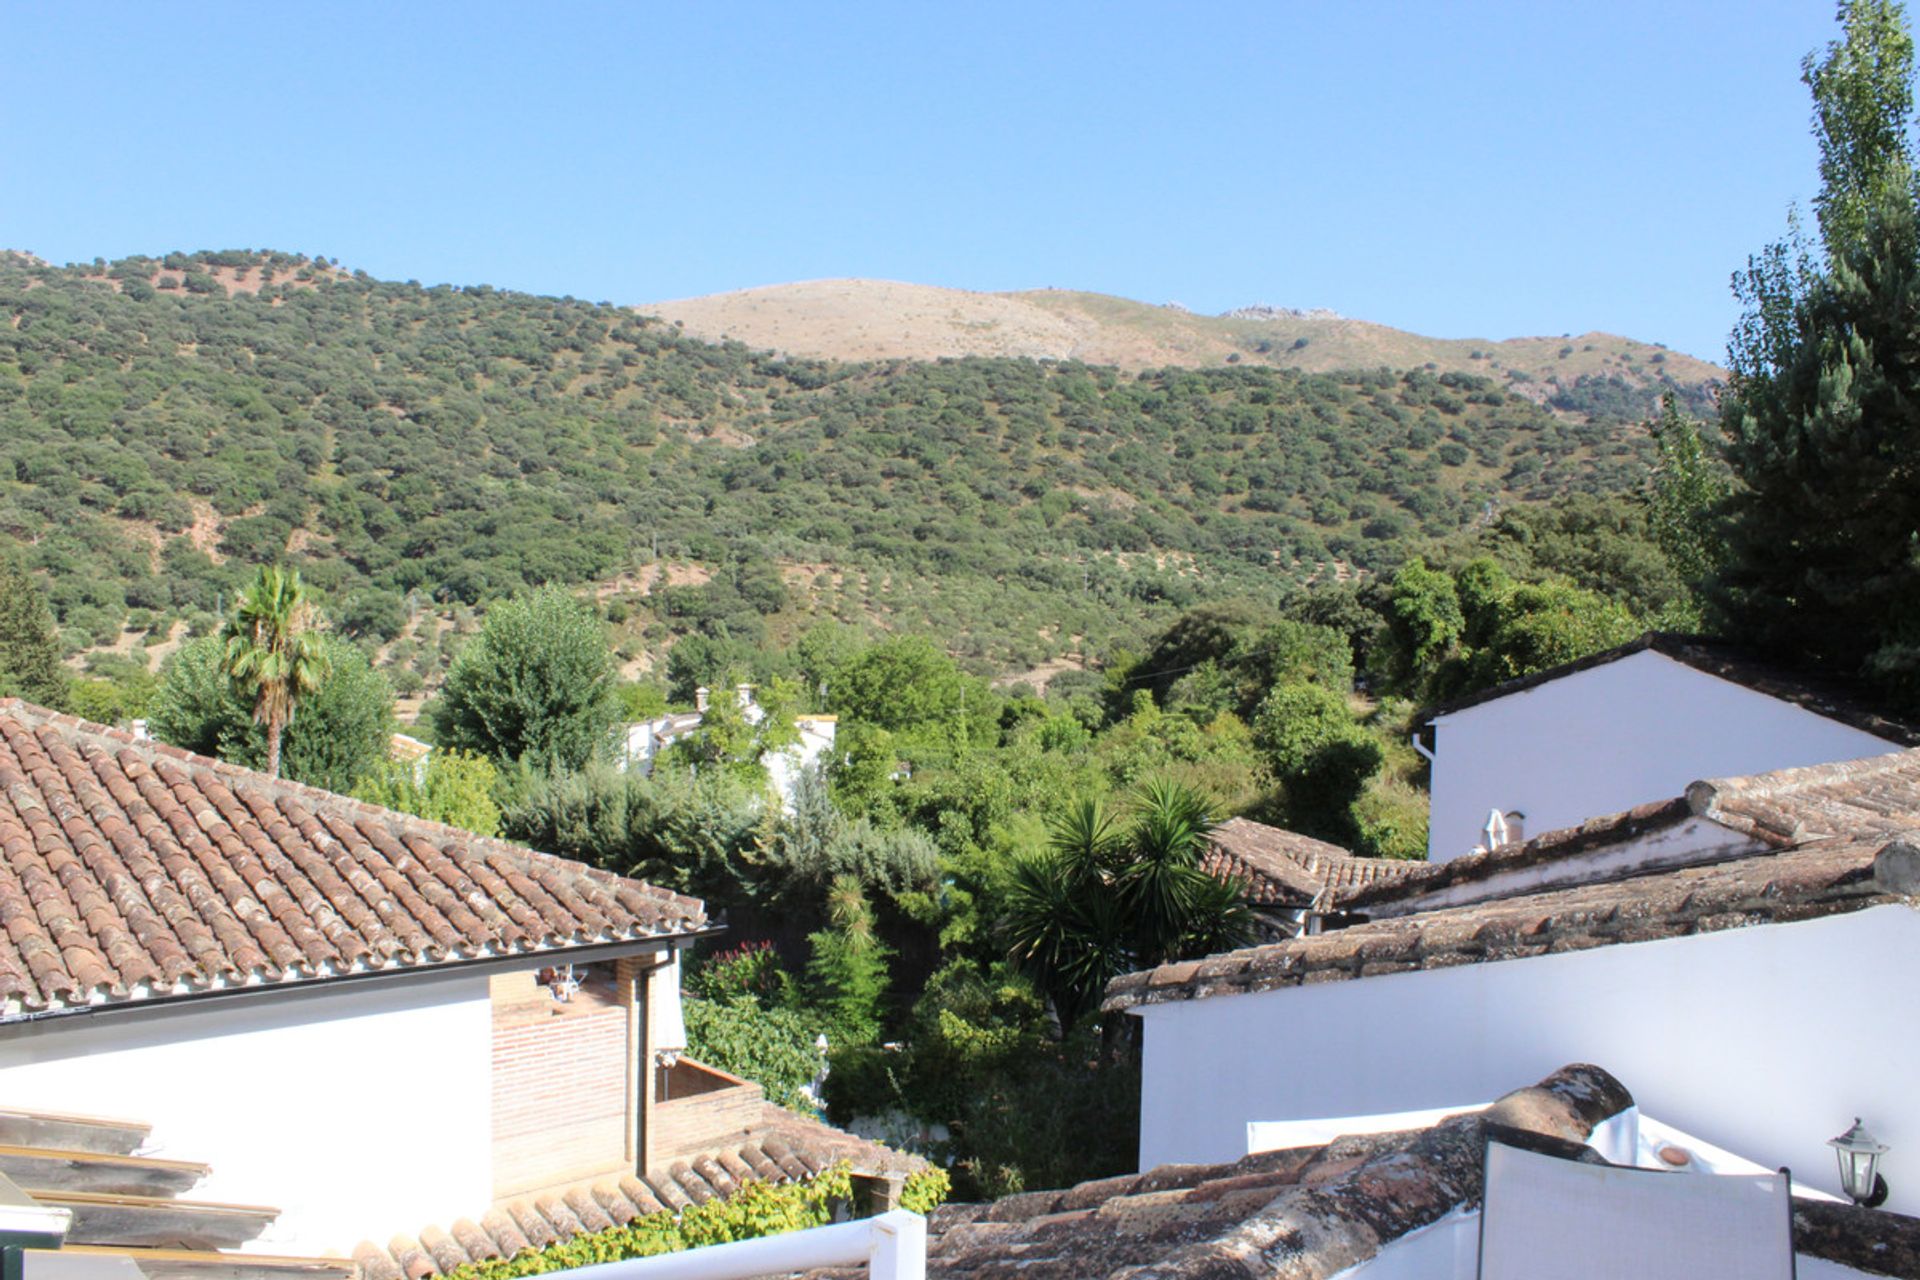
(343, 731)
(450, 786)
(271, 652)
(1822, 419)
(1423, 624)
(29, 647)
(536, 683)
(1321, 757)
(907, 683)
(816, 847)
(774, 1048)
(1684, 498)
(697, 835)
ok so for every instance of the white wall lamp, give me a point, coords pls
(1859, 1154)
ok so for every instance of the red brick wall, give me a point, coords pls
(712, 1109)
(559, 1084)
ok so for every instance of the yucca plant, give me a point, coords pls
(1103, 898)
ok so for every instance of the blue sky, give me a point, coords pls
(1458, 169)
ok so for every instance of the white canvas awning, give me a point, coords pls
(1551, 1219)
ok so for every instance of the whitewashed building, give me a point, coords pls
(1743, 954)
(1596, 736)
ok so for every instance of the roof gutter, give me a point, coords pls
(479, 966)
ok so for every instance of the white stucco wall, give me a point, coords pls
(1450, 1250)
(358, 1114)
(1603, 740)
(1766, 1041)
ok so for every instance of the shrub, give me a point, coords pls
(774, 1048)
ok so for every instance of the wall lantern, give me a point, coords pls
(1859, 1154)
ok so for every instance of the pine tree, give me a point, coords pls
(29, 647)
(1823, 415)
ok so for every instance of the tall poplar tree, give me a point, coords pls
(1822, 418)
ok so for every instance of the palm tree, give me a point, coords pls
(271, 654)
(1102, 899)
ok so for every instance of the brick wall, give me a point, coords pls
(559, 1083)
(703, 1108)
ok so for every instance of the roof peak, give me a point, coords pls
(1822, 695)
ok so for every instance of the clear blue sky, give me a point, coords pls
(1459, 169)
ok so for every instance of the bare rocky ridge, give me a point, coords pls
(889, 320)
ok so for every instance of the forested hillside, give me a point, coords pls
(166, 424)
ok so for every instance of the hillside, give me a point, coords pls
(887, 320)
(419, 451)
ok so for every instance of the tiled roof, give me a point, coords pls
(784, 1148)
(1315, 1212)
(1879, 795)
(1825, 878)
(1824, 697)
(1284, 868)
(1309, 1212)
(1549, 846)
(132, 870)
(1852, 799)
(1833, 838)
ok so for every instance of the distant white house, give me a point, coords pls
(643, 743)
(1609, 731)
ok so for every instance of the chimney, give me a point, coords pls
(700, 699)
(743, 695)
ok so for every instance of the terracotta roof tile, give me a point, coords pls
(1305, 1213)
(782, 1147)
(1855, 799)
(130, 869)
(1823, 878)
(1284, 868)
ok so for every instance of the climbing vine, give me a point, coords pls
(757, 1209)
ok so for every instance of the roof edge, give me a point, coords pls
(1819, 695)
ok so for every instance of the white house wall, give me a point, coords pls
(1766, 1041)
(358, 1114)
(1606, 739)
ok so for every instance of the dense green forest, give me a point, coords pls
(166, 424)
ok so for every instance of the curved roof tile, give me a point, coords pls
(130, 869)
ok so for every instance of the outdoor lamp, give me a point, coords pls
(1859, 1154)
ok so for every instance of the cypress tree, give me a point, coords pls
(29, 647)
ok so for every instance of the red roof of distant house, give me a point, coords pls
(1285, 868)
